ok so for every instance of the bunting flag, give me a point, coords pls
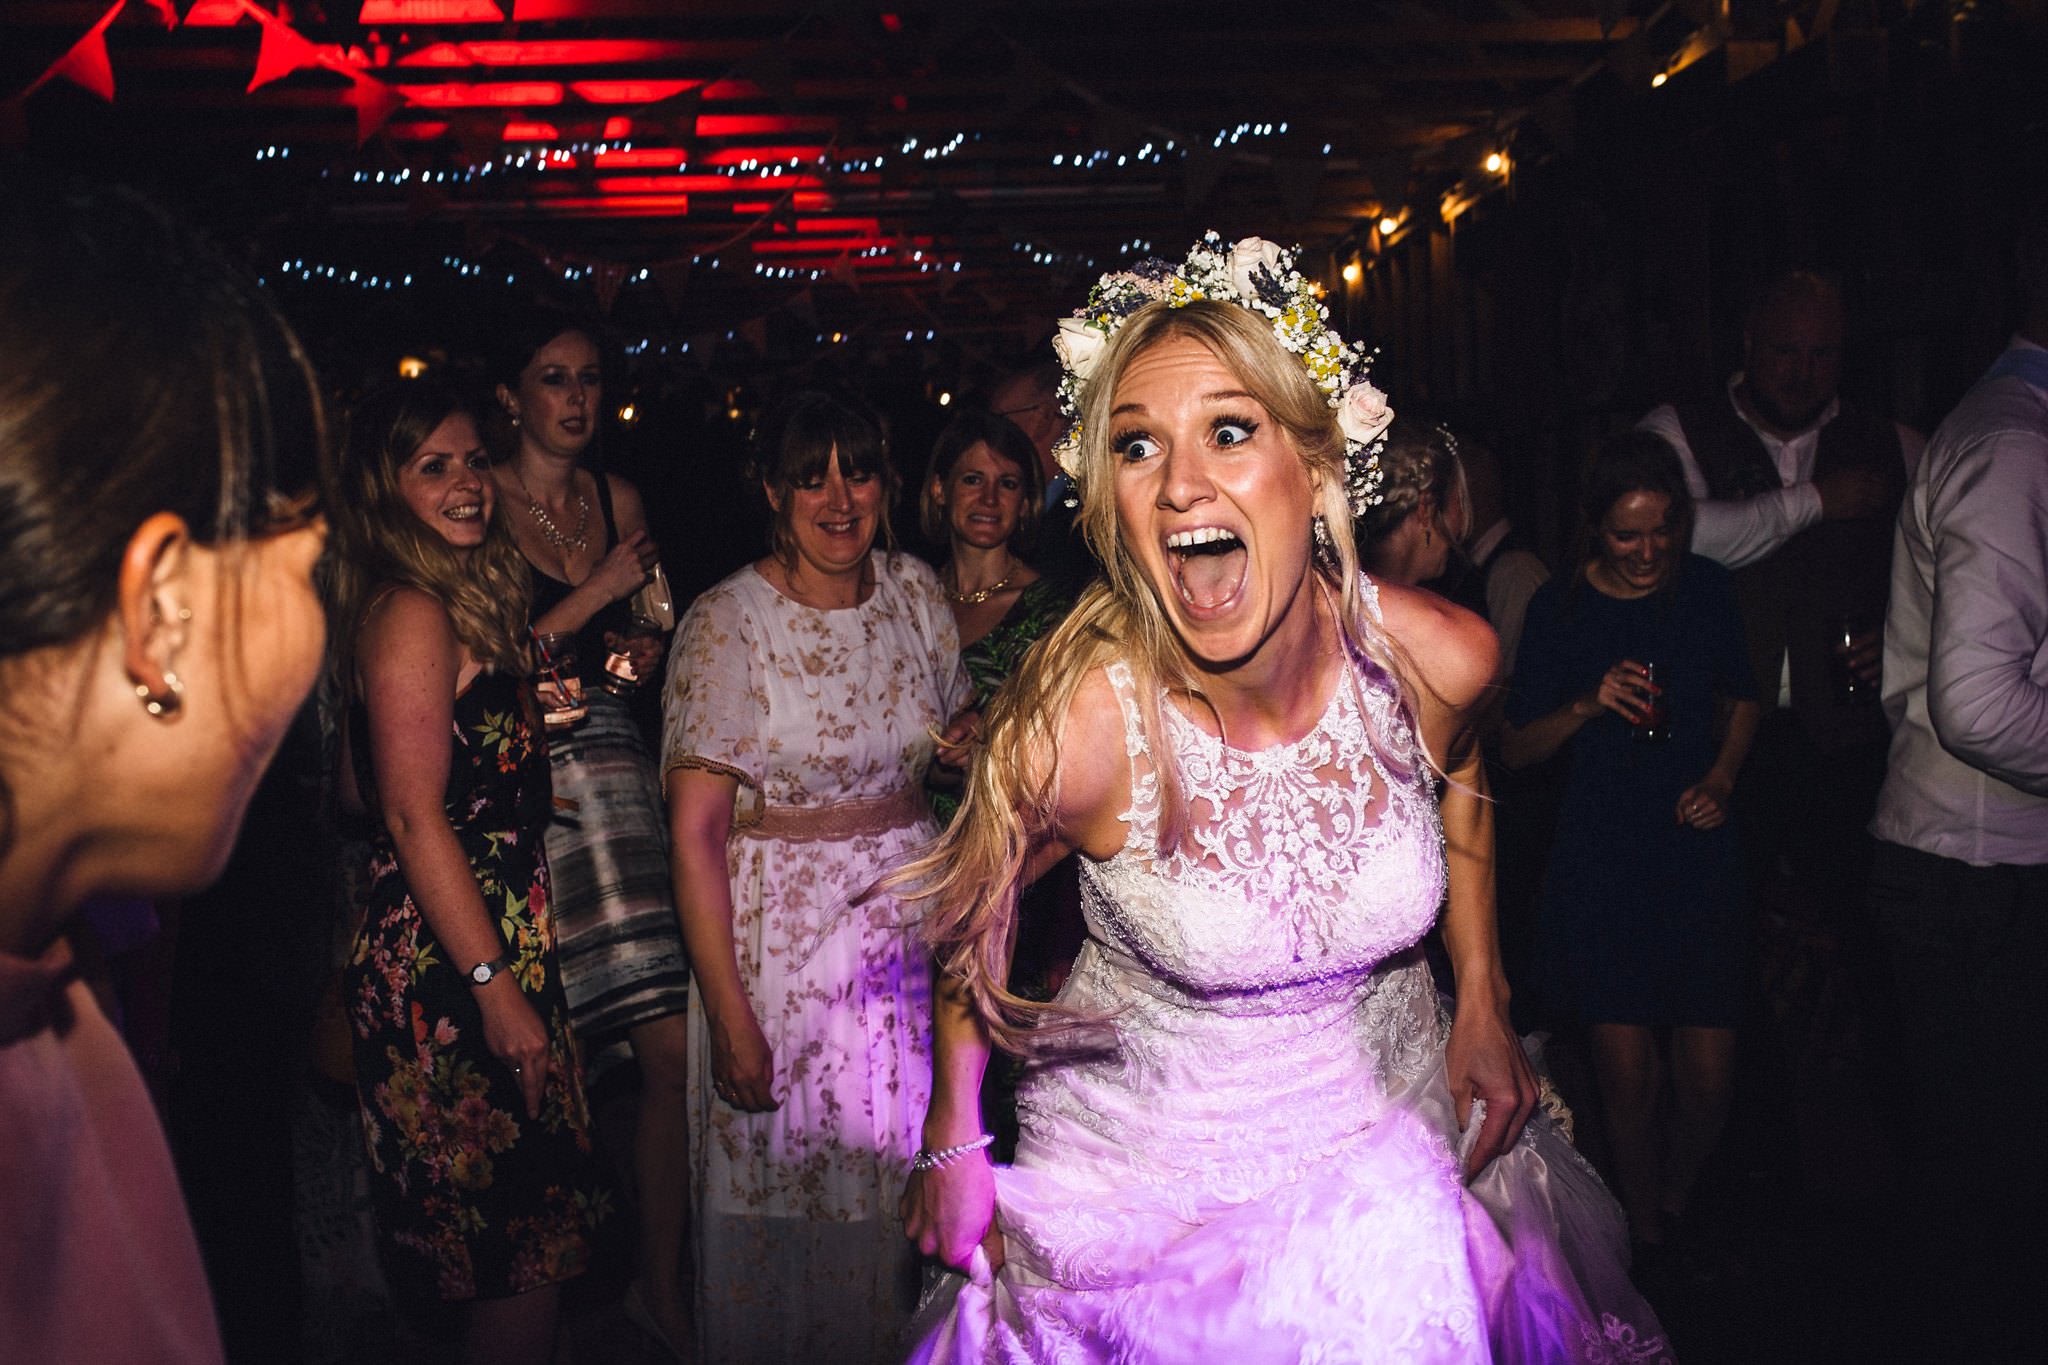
(284, 51)
(755, 332)
(804, 308)
(374, 103)
(167, 11)
(842, 272)
(86, 64)
(605, 279)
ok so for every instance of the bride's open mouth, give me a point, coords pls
(1209, 566)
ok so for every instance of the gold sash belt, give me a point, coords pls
(900, 809)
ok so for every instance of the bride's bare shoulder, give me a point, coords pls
(1094, 767)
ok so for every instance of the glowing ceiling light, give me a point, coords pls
(1351, 272)
(430, 12)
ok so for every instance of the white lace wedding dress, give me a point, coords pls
(1264, 1167)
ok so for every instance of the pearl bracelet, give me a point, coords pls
(928, 1160)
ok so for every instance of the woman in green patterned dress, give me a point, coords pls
(982, 495)
(469, 1084)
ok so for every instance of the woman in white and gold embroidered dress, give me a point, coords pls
(803, 699)
(1251, 1133)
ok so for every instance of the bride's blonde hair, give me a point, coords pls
(969, 880)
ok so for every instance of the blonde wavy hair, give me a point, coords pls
(970, 878)
(376, 541)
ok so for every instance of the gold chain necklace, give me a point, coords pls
(547, 523)
(979, 595)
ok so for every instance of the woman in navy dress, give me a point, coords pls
(1642, 920)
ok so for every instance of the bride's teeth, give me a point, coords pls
(1206, 535)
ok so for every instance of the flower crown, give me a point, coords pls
(1257, 275)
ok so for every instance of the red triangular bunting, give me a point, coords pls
(86, 64)
(374, 103)
(283, 52)
(167, 11)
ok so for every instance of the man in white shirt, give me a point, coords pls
(1959, 884)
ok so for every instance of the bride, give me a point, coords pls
(1249, 1131)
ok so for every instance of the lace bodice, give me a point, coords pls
(1307, 863)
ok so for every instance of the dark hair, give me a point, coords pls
(522, 334)
(794, 442)
(140, 372)
(1625, 462)
(977, 427)
(518, 340)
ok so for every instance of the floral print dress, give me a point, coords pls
(825, 718)
(473, 1199)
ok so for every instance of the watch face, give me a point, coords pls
(481, 973)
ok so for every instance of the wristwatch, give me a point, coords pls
(482, 972)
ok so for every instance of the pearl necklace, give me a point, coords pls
(979, 595)
(547, 523)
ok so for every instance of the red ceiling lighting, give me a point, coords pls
(639, 158)
(430, 12)
(694, 184)
(484, 95)
(214, 14)
(628, 92)
(439, 54)
(556, 52)
(527, 130)
(761, 125)
(617, 127)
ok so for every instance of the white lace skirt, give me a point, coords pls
(1368, 1248)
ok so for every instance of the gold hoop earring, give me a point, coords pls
(167, 707)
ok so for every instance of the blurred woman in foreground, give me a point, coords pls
(158, 630)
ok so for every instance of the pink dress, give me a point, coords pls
(1263, 1165)
(98, 1262)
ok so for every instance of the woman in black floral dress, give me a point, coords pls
(470, 1088)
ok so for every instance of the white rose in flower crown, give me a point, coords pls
(1247, 256)
(1363, 413)
(1079, 346)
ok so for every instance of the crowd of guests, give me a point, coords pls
(1203, 758)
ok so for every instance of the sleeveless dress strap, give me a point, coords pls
(604, 507)
(1143, 816)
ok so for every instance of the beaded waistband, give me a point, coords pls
(900, 809)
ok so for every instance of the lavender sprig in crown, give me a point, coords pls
(1257, 275)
